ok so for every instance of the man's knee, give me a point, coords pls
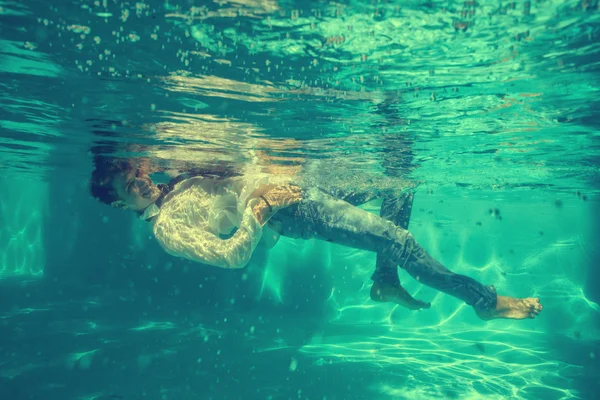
(397, 209)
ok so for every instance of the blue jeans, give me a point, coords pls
(322, 216)
(395, 208)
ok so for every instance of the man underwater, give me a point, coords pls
(219, 221)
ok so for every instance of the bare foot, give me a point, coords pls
(511, 308)
(385, 293)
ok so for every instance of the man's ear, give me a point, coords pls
(120, 204)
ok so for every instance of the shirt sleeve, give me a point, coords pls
(179, 237)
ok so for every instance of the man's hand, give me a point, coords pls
(274, 200)
(283, 196)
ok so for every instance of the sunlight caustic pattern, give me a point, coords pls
(479, 95)
(453, 363)
(22, 210)
(447, 345)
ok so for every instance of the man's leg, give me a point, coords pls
(397, 210)
(386, 283)
(324, 217)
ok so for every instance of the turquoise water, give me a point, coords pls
(488, 109)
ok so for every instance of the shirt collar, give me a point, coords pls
(150, 212)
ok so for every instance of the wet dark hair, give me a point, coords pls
(109, 168)
(106, 171)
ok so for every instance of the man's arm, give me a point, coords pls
(274, 200)
(181, 238)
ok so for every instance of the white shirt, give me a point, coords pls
(211, 221)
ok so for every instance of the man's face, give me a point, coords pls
(136, 191)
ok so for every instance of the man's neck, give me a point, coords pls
(148, 213)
